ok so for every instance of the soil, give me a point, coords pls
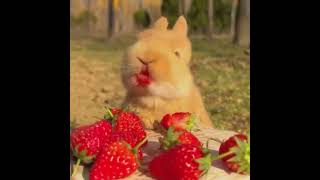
(91, 89)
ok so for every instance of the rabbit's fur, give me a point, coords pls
(167, 53)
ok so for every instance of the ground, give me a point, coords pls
(221, 70)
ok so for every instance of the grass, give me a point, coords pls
(221, 70)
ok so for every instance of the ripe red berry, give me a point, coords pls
(143, 77)
(128, 137)
(86, 141)
(184, 161)
(123, 121)
(237, 160)
(117, 160)
(178, 120)
(130, 122)
(175, 137)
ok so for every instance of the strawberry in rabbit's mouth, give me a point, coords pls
(143, 77)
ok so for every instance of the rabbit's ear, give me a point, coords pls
(161, 23)
(181, 26)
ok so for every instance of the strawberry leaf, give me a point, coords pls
(83, 153)
(110, 117)
(75, 151)
(88, 159)
(170, 140)
(191, 122)
(242, 156)
(204, 164)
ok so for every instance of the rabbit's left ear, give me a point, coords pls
(161, 23)
(181, 26)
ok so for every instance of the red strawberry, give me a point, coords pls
(86, 141)
(117, 160)
(127, 122)
(235, 153)
(115, 111)
(184, 161)
(179, 120)
(175, 137)
(143, 77)
(128, 137)
(158, 167)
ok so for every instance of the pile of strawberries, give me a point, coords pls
(114, 143)
(183, 156)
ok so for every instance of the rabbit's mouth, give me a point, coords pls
(143, 78)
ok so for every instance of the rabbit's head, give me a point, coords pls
(158, 63)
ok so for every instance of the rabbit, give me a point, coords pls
(155, 72)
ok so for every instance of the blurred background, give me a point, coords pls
(101, 30)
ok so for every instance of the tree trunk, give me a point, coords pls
(242, 29)
(77, 7)
(187, 6)
(128, 8)
(110, 18)
(210, 17)
(89, 17)
(115, 17)
(99, 9)
(181, 7)
(235, 4)
(153, 7)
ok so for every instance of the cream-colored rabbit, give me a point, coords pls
(156, 74)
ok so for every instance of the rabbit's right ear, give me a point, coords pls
(161, 23)
(181, 26)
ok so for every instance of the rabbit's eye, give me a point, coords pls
(177, 54)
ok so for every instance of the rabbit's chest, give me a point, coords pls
(152, 109)
(159, 106)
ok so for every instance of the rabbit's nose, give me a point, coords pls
(144, 61)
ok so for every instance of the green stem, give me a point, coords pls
(207, 144)
(76, 168)
(109, 112)
(214, 139)
(217, 140)
(221, 156)
(191, 122)
(135, 150)
(140, 144)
